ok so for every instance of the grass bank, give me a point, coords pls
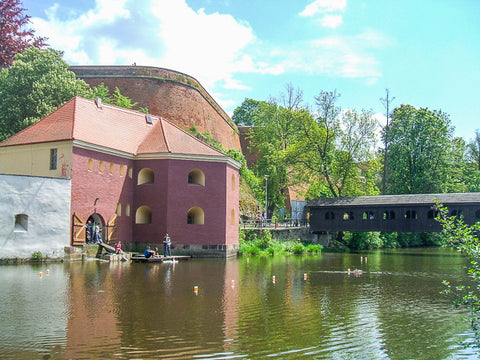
(252, 243)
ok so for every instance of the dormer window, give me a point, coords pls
(148, 119)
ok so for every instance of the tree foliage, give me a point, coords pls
(420, 143)
(37, 83)
(245, 114)
(466, 239)
(15, 37)
(271, 138)
(331, 149)
(473, 150)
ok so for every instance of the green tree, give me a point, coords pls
(419, 151)
(271, 138)
(473, 150)
(466, 238)
(329, 151)
(37, 83)
(245, 114)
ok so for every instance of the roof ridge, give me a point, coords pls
(161, 120)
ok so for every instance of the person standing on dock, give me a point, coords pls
(167, 242)
(89, 231)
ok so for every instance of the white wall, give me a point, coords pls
(46, 201)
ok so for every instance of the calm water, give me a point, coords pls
(140, 311)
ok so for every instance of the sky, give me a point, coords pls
(427, 53)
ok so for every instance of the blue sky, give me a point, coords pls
(427, 53)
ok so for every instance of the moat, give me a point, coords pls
(255, 308)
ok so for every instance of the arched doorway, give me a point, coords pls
(96, 235)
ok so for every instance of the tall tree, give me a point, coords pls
(36, 84)
(329, 150)
(245, 114)
(473, 150)
(15, 37)
(419, 151)
(274, 133)
(386, 101)
(292, 98)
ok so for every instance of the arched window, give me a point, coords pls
(130, 172)
(457, 212)
(90, 165)
(196, 176)
(233, 181)
(196, 216)
(21, 223)
(127, 209)
(143, 215)
(122, 170)
(145, 176)
(477, 215)
(432, 214)
(100, 166)
(329, 215)
(348, 215)
(368, 215)
(119, 209)
(411, 215)
(111, 168)
(388, 215)
(232, 215)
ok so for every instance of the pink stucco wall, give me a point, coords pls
(171, 204)
(109, 188)
(233, 199)
(169, 197)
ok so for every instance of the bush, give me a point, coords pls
(298, 248)
(37, 255)
(250, 244)
(363, 240)
(314, 248)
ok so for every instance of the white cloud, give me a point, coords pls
(332, 21)
(323, 6)
(330, 9)
(210, 47)
(214, 48)
(335, 56)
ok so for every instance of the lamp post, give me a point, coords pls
(266, 199)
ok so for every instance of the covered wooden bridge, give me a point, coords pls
(400, 213)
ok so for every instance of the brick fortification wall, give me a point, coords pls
(172, 95)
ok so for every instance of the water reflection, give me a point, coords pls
(101, 310)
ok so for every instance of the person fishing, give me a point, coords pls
(167, 242)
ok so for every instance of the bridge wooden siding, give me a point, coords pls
(399, 213)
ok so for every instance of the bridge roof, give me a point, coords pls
(397, 200)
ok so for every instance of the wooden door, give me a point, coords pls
(111, 230)
(78, 231)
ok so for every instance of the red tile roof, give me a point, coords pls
(112, 127)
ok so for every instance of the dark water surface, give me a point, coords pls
(394, 310)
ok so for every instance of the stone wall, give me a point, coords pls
(172, 95)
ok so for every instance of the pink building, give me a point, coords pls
(137, 176)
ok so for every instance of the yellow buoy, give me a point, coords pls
(41, 274)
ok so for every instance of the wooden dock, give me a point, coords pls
(160, 259)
